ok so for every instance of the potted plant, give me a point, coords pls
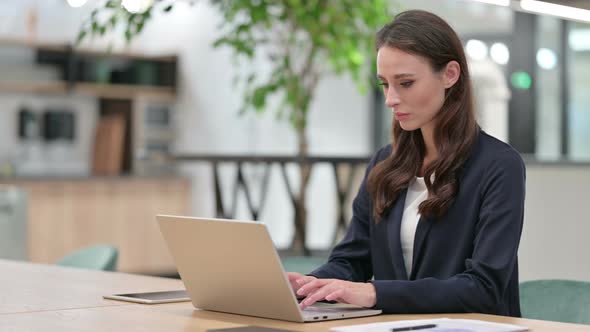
(305, 40)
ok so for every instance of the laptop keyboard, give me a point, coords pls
(317, 310)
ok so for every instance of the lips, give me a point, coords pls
(401, 116)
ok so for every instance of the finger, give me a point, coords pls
(307, 288)
(295, 288)
(304, 280)
(338, 295)
(294, 276)
(313, 282)
(320, 294)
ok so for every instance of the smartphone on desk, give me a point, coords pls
(151, 297)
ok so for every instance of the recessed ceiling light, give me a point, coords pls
(136, 6)
(546, 58)
(499, 53)
(548, 8)
(77, 3)
(476, 49)
(504, 3)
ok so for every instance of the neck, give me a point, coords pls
(431, 150)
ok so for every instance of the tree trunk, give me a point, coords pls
(300, 199)
(310, 78)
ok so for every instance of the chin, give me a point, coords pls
(408, 126)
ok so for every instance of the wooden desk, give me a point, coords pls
(47, 298)
(26, 287)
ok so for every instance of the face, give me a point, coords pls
(413, 90)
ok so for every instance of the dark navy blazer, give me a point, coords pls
(464, 261)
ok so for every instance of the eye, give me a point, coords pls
(383, 84)
(407, 84)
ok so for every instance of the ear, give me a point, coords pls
(451, 74)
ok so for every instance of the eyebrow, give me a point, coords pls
(397, 76)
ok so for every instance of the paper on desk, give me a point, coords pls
(442, 325)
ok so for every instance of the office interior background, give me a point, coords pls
(531, 77)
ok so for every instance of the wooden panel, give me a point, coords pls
(64, 216)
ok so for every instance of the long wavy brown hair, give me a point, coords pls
(426, 35)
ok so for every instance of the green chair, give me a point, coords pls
(99, 257)
(565, 301)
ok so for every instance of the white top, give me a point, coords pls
(417, 193)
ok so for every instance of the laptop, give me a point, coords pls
(232, 266)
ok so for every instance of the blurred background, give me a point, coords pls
(98, 138)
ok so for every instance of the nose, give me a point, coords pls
(391, 98)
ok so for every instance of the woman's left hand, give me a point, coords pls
(357, 293)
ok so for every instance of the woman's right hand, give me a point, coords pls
(297, 280)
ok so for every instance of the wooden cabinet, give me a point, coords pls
(64, 215)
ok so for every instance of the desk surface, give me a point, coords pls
(26, 287)
(49, 298)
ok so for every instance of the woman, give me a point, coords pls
(437, 220)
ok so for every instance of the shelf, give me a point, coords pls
(125, 91)
(114, 91)
(65, 47)
(127, 55)
(33, 44)
(59, 87)
(75, 63)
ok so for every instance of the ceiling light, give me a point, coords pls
(136, 6)
(546, 58)
(579, 40)
(476, 49)
(77, 3)
(547, 8)
(499, 53)
(504, 3)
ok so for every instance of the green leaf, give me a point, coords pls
(250, 78)
(139, 27)
(220, 42)
(95, 27)
(355, 58)
(259, 98)
(81, 36)
(113, 21)
(128, 34)
(112, 4)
